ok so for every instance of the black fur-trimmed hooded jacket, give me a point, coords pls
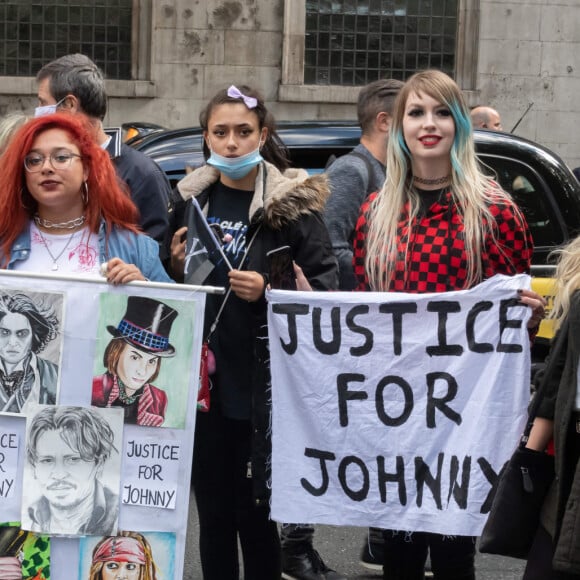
(287, 207)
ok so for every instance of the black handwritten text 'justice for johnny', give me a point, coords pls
(336, 323)
(154, 456)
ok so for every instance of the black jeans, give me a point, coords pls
(225, 504)
(452, 557)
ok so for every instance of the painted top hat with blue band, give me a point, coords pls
(146, 324)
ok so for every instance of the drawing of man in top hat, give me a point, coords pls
(133, 358)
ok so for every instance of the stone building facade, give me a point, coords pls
(510, 53)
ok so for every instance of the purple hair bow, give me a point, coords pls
(235, 93)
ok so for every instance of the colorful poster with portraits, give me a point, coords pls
(73, 473)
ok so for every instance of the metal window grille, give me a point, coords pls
(355, 42)
(33, 33)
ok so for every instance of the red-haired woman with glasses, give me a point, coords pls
(64, 209)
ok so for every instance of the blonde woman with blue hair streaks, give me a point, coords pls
(438, 224)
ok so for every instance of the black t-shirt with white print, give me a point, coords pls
(232, 342)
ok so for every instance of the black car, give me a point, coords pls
(311, 144)
(138, 130)
(540, 182)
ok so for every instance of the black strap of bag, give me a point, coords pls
(242, 261)
(229, 291)
(367, 162)
(203, 395)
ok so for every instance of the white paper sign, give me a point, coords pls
(151, 472)
(9, 445)
(396, 410)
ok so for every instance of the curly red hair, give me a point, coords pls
(108, 198)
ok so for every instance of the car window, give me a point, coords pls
(532, 196)
(312, 159)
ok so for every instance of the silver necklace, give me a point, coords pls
(69, 225)
(54, 258)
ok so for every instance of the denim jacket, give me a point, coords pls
(132, 248)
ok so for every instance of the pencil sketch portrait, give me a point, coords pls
(72, 476)
(28, 325)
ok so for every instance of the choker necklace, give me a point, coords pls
(54, 258)
(69, 225)
(437, 181)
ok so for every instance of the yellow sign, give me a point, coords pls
(547, 288)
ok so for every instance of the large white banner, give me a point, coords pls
(71, 351)
(396, 410)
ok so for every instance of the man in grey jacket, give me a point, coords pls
(354, 176)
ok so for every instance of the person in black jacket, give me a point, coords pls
(555, 554)
(260, 204)
(74, 83)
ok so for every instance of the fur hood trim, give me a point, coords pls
(197, 181)
(285, 197)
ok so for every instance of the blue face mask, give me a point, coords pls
(47, 109)
(236, 167)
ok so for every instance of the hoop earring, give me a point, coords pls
(85, 193)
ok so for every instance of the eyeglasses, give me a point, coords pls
(58, 159)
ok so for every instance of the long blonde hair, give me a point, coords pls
(567, 279)
(471, 190)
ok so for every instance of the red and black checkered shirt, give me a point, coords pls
(436, 258)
